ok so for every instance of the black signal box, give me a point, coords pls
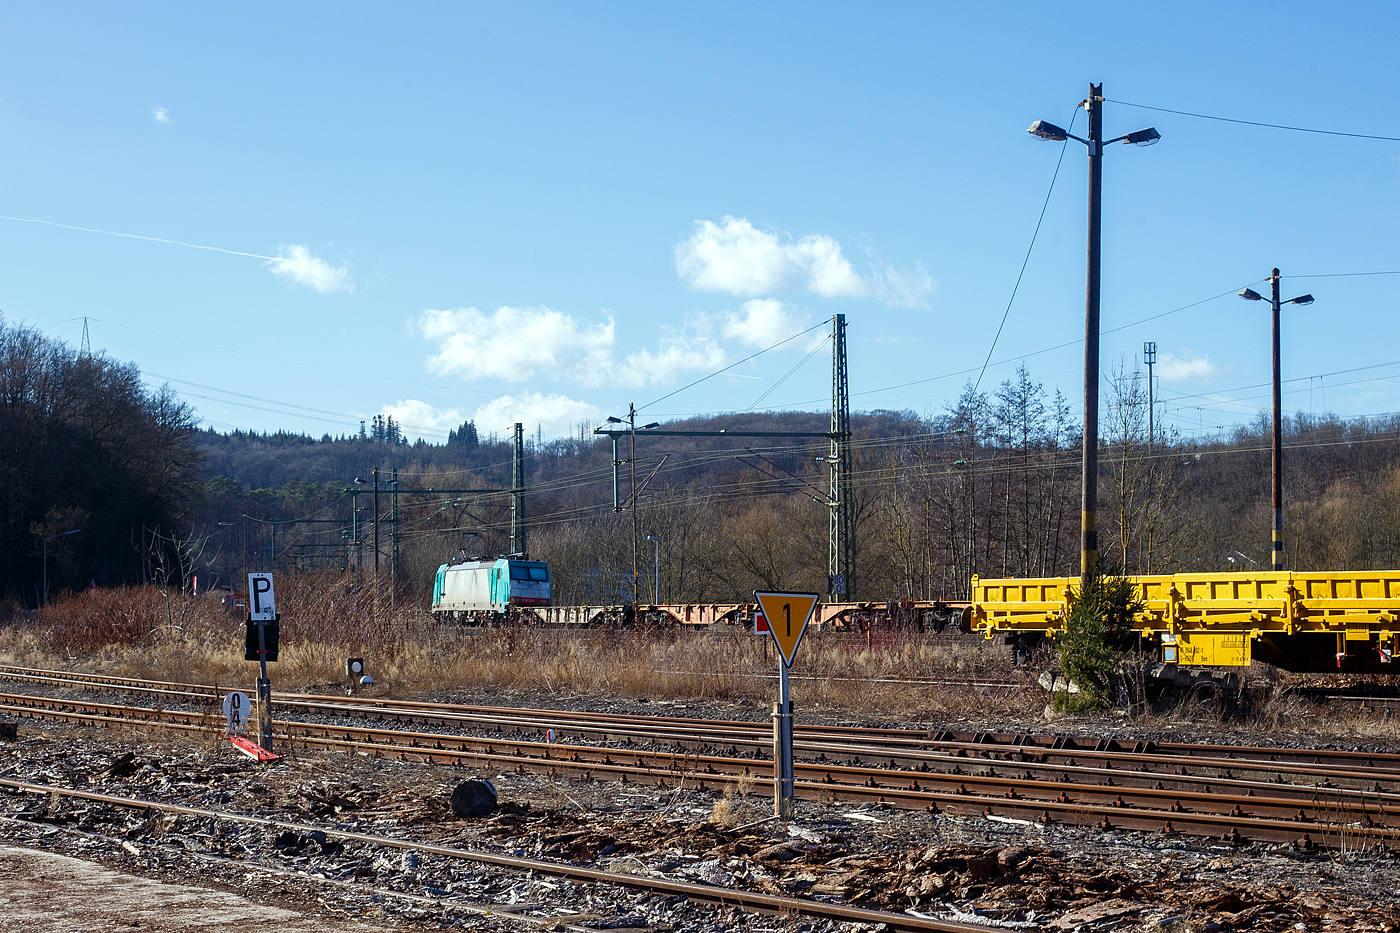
(250, 640)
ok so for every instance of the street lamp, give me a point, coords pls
(656, 573)
(1089, 504)
(46, 559)
(631, 423)
(1249, 294)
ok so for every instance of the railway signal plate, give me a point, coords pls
(236, 712)
(787, 615)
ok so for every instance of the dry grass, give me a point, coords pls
(166, 635)
(1267, 711)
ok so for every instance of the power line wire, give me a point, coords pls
(1029, 249)
(732, 365)
(273, 359)
(1272, 126)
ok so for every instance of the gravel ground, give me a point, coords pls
(1000, 873)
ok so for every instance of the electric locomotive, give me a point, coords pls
(490, 591)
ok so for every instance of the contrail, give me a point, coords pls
(137, 236)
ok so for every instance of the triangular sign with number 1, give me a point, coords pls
(787, 615)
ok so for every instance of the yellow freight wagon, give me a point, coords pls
(1306, 622)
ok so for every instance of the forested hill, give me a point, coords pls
(107, 483)
(270, 461)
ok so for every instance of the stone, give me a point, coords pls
(474, 799)
(1055, 682)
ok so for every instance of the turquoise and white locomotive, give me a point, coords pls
(490, 591)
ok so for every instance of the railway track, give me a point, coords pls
(1307, 797)
(693, 731)
(752, 901)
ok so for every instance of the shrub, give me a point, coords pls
(1101, 610)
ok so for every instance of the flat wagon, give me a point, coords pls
(1338, 621)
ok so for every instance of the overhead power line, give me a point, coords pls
(273, 359)
(1029, 249)
(1272, 126)
(732, 365)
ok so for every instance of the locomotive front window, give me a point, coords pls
(539, 573)
(519, 573)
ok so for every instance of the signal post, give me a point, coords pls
(260, 644)
(787, 615)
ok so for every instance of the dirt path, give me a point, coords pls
(47, 893)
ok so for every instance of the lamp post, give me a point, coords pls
(1149, 355)
(632, 490)
(1089, 497)
(656, 572)
(46, 559)
(1249, 294)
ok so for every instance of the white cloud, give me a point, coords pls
(1186, 367)
(517, 343)
(552, 414)
(765, 321)
(419, 419)
(735, 256)
(683, 349)
(161, 114)
(901, 289)
(297, 264)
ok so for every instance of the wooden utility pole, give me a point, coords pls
(1089, 493)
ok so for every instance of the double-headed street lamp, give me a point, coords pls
(1249, 294)
(46, 559)
(1089, 505)
(631, 423)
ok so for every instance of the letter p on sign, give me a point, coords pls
(262, 606)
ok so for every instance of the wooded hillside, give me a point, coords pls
(989, 486)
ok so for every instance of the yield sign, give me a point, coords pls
(787, 615)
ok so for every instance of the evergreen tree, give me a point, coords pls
(464, 437)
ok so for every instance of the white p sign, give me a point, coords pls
(261, 604)
(236, 711)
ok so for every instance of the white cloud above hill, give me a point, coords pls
(736, 257)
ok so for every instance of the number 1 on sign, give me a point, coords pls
(788, 615)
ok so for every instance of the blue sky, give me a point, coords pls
(545, 212)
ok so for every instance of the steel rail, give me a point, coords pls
(1038, 759)
(355, 886)
(1016, 745)
(727, 897)
(818, 761)
(918, 755)
(403, 707)
(1336, 817)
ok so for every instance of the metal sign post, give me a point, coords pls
(264, 693)
(262, 609)
(786, 616)
(782, 747)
